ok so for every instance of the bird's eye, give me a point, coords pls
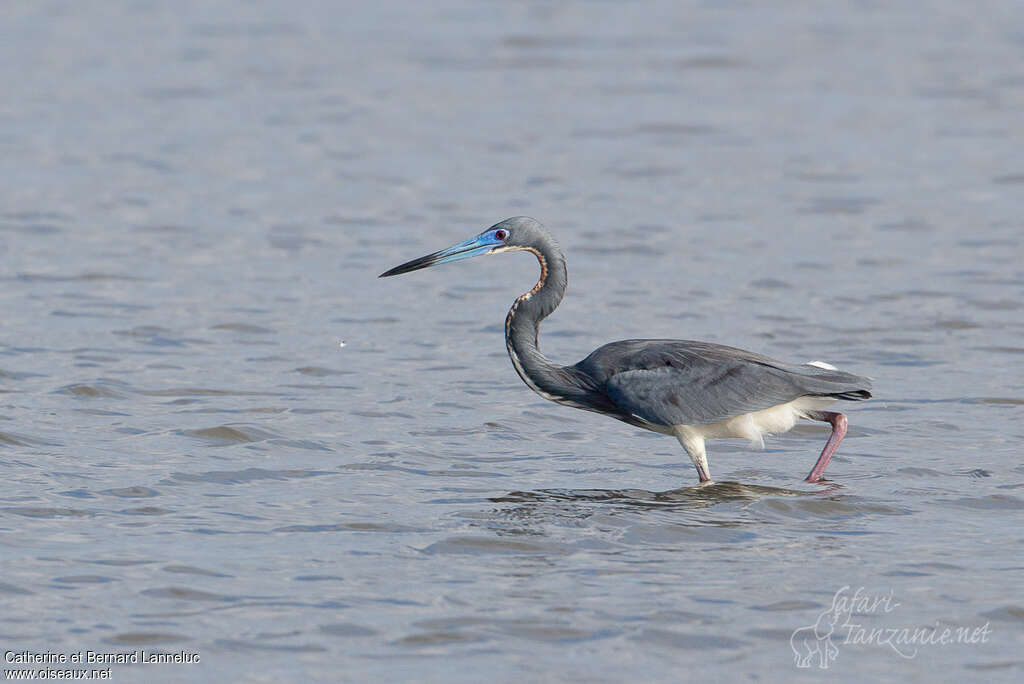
(501, 234)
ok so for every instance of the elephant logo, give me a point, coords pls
(816, 640)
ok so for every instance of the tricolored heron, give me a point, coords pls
(691, 390)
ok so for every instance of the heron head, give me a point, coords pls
(515, 233)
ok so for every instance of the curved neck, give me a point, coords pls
(523, 322)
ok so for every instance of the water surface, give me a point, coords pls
(196, 201)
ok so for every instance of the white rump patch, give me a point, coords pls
(822, 364)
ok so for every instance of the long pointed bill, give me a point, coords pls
(481, 244)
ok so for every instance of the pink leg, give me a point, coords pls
(838, 422)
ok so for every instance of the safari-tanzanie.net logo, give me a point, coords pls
(859, 618)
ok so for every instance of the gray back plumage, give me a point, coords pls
(683, 382)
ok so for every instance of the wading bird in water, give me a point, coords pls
(693, 391)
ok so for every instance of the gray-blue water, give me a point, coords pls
(196, 200)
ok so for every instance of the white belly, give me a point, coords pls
(753, 426)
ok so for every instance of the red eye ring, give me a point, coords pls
(501, 234)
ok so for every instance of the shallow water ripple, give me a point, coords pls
(220, 433)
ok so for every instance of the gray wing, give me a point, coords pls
(677, 382)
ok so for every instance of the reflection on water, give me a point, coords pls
(697, 510)
(698, 496)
